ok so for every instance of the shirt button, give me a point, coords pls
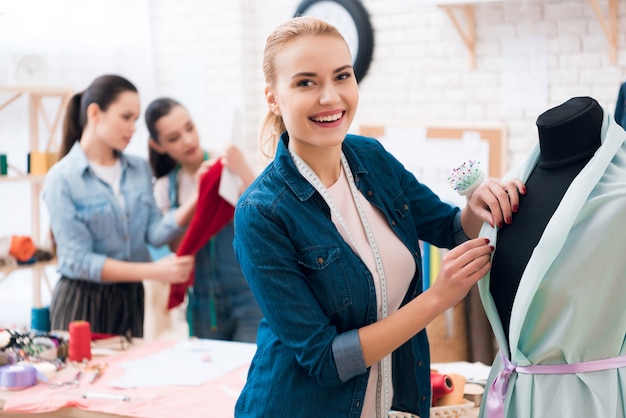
(423, 398)
(320, 260)
(393, 223)
(370, 193)
(405, 206)
(419, 363)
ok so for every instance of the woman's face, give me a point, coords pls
(178, 136)
(316, 92)
(116, 125)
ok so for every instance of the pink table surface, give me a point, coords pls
(215, 398)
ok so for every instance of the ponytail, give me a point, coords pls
(72, 125)
(272, 128)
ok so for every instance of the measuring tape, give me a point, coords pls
(382, 384)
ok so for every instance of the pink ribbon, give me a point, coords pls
(498, 389)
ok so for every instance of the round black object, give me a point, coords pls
(352, 20)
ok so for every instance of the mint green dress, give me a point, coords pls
(571, 303)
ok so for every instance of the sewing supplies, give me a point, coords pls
(94, 370)
(441, 385)
(112, 396)
(40, 319)
(80, 341)
(466, 177)
(17, 376)
(455, 396)
(71, 383)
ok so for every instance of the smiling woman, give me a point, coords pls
(340, 284)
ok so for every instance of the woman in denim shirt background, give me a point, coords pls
(220, 303)
(328, 238)
(102, 215)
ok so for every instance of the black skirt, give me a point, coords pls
(116, 308)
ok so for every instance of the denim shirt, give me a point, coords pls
(90, 225)
(315, 292)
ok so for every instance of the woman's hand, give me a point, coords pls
(460, 268)
(495, 201)
(173, 269)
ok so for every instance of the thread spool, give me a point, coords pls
(40, 319)
(17, 377)
(455, 396)
(80, 341)
(4, 166)
(442, 384)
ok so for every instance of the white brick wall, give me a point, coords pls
(420, 72)
(208, 54)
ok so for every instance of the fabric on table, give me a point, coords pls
(216, 396)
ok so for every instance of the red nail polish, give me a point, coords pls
(515, 208)
(492, 247)
(486, 240)
(509, 220)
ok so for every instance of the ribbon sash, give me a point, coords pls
(498, 389)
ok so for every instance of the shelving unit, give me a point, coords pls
(43, 138)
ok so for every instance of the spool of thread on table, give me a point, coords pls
(40, 319)
(441, 385)
(80, 341)
(4, 166)
(17, 377)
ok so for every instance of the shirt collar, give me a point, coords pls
(81, 163)
(292, 177)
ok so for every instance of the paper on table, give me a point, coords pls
(189, 363)
(230, 183)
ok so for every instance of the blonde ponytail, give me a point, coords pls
(269, 135)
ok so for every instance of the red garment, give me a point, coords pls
(212, 214)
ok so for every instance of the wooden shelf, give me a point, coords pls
(43, 138)
(18, 178)
(461, 13)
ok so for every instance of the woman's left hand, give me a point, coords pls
(495, 200)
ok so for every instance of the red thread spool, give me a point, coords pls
(442, 385)
(80, 341)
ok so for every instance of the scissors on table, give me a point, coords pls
(72, 383)
(96, 370)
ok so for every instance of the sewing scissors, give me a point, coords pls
(96, 370)
(72, 383)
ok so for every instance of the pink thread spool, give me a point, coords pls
(442, 385)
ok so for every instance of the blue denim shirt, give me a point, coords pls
(88, 222)
(315, 292)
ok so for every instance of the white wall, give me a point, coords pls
(208, 55)
(420, 73)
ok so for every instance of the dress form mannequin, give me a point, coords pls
(569, 135)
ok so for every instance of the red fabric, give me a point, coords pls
(212, 213)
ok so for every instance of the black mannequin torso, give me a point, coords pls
(569, 135)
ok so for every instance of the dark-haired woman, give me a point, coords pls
(220, 303)
(103, 215)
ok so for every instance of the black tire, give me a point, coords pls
(365, 31)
